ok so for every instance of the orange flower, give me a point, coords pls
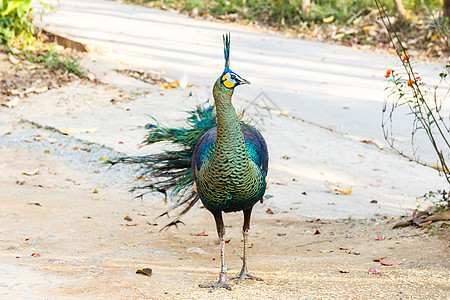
(388, 73)
(410, 82)
(406, 57)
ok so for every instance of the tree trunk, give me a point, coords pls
(402, 13)
(447, 8)
(306, 6)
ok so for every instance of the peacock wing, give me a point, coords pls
(203, 150)
(256, 146)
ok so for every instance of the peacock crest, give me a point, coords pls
(229, 79)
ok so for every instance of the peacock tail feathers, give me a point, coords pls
(171, 170)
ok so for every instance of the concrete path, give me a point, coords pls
(337, 87)
(311, 81)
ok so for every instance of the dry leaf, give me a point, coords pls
(269, 211)
(425, 223)
(390, 263)
(442, 216)
(379, 259)
(31, 173)
(281, 234)
(328, 19)
(344, 271)
(402, 224)
(11, 103)
(172, 85)
(41, 90)
(325, 251)
(346, 248)
(104, 159)
(78, 130)
(35, 203)
(337, 190)
(12, 59)
(200, 234)
(127, 218)
(36, 255)
(145, 271)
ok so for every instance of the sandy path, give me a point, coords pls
(88, 250)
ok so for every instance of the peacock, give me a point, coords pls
(222, 161)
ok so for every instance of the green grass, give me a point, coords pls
(17, 36)
(16, 26)
(286, 13)
(53, 58)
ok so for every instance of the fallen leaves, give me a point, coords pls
(346, 248)
(78, 130)
(379, 259)
(326, 251)
(269, 211)
(83, 149)
(31, 173)
(338, 190)
(424, 218)
(200, 234)
(390, 263)
(34, 203)
(172, 85)
(441, 216)
(36, 255)
(328, 19)
(145, 271)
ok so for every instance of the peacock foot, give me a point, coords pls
(221, 283)
(244, 274)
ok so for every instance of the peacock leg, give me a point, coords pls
(244, 274)
(222, 282)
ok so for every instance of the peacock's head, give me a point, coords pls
(229, 79)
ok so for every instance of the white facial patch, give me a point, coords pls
(230, 79)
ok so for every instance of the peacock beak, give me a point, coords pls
(244, 81)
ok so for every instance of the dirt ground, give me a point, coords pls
(69, 225)
(72, 231)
